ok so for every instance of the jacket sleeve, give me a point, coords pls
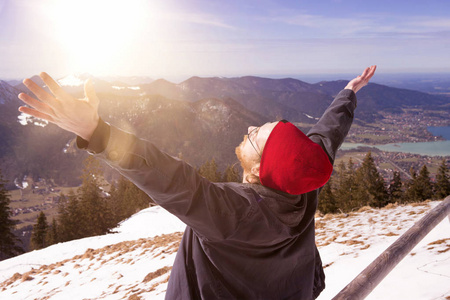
(213, 210)
(332, 128)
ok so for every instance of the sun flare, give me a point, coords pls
(97, 34)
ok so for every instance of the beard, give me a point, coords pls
(246, 163)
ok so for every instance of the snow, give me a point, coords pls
(134, 88)
(25, 119)
(136, 260)
(71, 80)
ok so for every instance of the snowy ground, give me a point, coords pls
(135, 262)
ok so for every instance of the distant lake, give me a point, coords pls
(439, 148)
(442, 131)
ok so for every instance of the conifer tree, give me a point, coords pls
(126, 199)
(442, 185)
(53, 236)
(395, 188)
(8, 241)
(425, 186)
(341, 192)
(70, 219)
(327, 200)
(370, 179)
(231, 174)
(347, 191)
(412, 193)
(210, 171)
(114, 201)
(95, 218)
(39, 234)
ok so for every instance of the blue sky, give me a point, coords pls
(176, 39)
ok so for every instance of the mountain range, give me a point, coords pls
(197, 119)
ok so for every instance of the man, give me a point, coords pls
(250, 240)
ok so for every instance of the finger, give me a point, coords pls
(35, 113)
(54, 87)
(365, 72)
(90, 93)
(38, 105)
(40, 93)
(370, 73)
(372, 70)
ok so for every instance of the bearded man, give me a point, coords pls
(250, 240)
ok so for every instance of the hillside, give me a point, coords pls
(202, 118)
(135, 262)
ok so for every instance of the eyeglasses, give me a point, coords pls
(252, 135)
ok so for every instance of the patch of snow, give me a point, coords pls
(137, 259)
(23, 119)
(134, 88)
(71, 80)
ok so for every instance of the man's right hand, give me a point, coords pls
(79, 116)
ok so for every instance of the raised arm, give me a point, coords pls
(332, 128)
(79, 116)
(171, 182)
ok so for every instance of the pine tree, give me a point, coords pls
(210, 171)
(425, 186)
(95, 213)
(395, 188)
(53, 235)
(8, 241)
(442, 186)
(231, 174)
(370, 179)
(347, 192)
(411, 193)
(114, 202)
(69, 219)
(39, 235)
(327, 200)
(126, 199)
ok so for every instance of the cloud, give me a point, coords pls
(430, 22)
(318, 21)
(362, 25)
(196, 18)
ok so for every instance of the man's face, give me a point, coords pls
(247, 154)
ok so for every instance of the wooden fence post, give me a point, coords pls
(371, 276)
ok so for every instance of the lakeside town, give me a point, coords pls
(411, 126)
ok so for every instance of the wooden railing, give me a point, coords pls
(371, 276)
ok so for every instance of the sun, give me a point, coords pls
(96, 34)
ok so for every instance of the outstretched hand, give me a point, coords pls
(79, 116)
(362, 80)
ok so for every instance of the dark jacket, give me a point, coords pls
(242, 241)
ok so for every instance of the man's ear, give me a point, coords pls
(255, 169)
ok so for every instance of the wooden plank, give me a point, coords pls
(370, 277)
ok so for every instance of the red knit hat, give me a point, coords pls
(292, 163)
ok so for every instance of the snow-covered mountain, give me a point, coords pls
(129, 80)
(135, 262)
